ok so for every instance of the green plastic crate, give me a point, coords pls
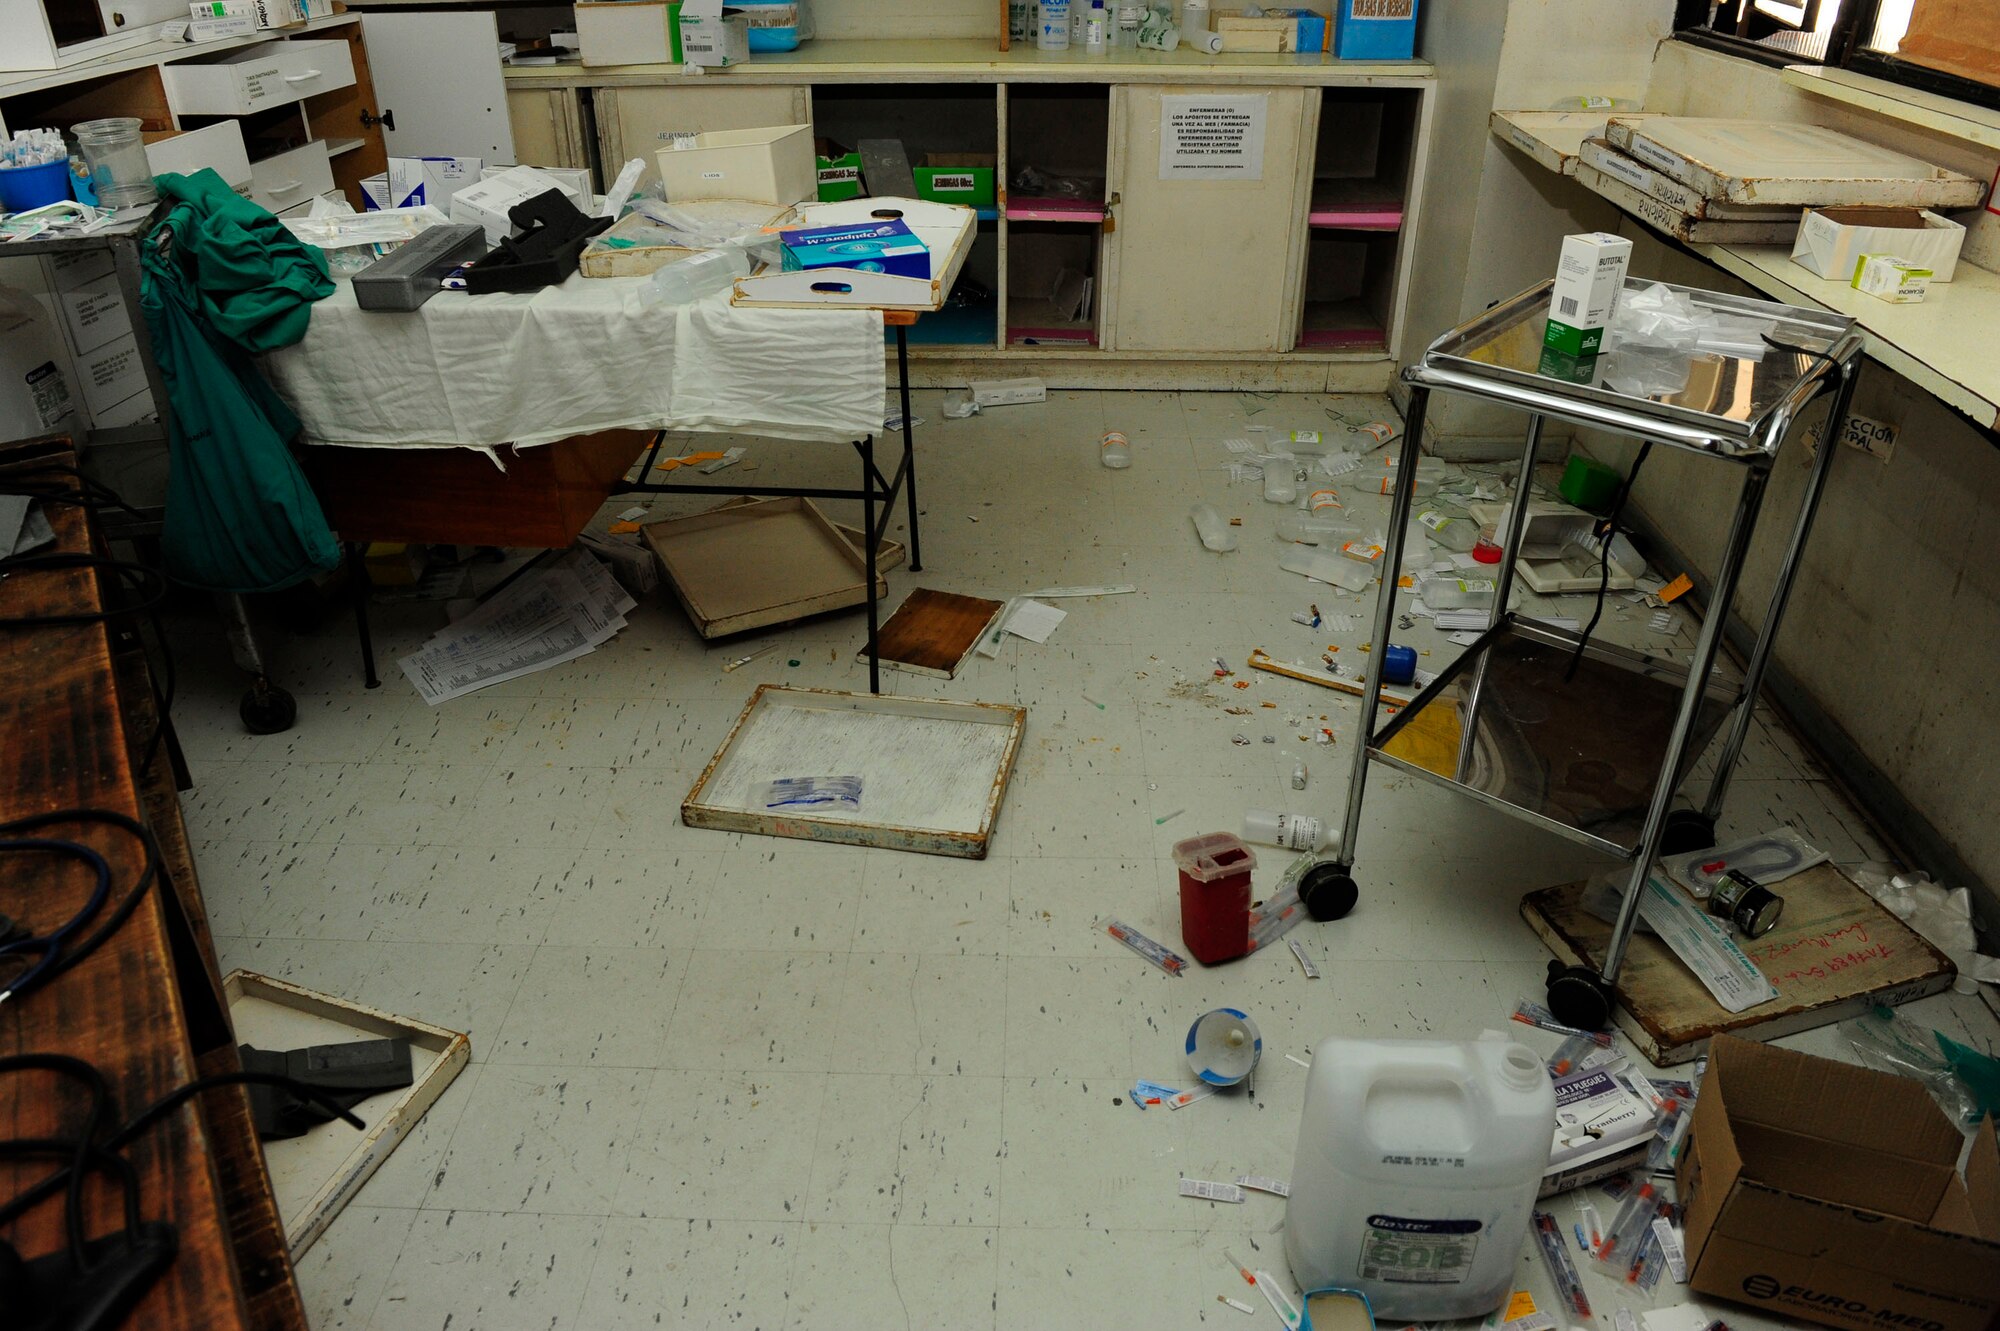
(961, 178)
(839, 178)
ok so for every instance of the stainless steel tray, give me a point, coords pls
(1732, 406)
(1580, 757)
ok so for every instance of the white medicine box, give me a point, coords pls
(626, 32)
(1831, 241)
(714, 37)
(488, 203)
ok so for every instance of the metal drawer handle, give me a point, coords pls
(301, 78)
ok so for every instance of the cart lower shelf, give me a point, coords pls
(1580, 756)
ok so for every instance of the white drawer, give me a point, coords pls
(291, 178)
(271, 74)
(219, 146)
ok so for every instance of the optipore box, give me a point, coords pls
(1590, 276)
(874, 246)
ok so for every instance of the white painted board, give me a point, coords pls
(932, 772)
(1769, 162)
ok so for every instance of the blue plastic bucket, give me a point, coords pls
(25, 187)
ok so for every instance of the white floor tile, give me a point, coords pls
(730, 1080)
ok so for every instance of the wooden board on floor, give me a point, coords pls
(749, 566)
(931, 632)
(932, 773)
(1835, 953)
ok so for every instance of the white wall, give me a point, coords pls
(907, 18)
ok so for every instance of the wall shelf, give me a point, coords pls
(1923, 110)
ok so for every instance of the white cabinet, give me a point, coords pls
(1210, 188)
(237, 83)
(437, 76)
(218, 147)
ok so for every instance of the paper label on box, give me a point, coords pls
(944, 184)
(1624, 169)
(711, 175)
(1367, 10)
(1647, 152)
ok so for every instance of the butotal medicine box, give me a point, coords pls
(1589, 279)
(871, 246)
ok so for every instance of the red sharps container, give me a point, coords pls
(1215, 895)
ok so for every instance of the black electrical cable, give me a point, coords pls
(93, 1080)
(126, 905)
(48, 948)
(93, 495)
(1604, 558)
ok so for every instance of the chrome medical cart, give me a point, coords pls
(1593, 745)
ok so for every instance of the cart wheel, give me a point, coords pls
(267, 709)
(1687, 829)
(1579, 997)
(1328, 892)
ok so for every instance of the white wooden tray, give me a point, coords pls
(945, 227)
(933, 773)
(315, 1176)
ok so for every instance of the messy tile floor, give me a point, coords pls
(734, 1080)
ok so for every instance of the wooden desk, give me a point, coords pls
(72, 710)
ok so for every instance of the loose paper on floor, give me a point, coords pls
(539, 621)
(1034, 621)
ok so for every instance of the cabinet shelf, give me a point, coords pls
(1032, 321)
(1355, 205)
(1341, 325)
(1054, 210)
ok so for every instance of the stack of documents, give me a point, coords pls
(540, 620)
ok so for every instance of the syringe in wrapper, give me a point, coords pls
(1635, 1218)
(1173, 963)
(1561, 1269)
(1530, 1013)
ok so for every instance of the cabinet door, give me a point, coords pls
(438, 76)
(544, 122)
(641, 121)
(1210, 188)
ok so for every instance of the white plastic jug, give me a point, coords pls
(1416, 1172)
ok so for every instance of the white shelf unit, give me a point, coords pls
(1295, 279)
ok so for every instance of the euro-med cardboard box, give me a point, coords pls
(629, 32)
(1831, 241)
(1830, 1193)
(1590, 276)
(712, 36)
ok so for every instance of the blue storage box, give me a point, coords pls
(1374, 29)
(777, 25)
(871, 246)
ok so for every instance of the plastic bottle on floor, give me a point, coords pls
(1114, 451)
(696, 276)
(1214, 532)
(1453, 533)
(1324, 566)
(1293, 831)
(1311, 529)
(1418, 1155)
(1281, 482)
(1455, 593)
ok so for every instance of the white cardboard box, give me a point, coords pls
(767, 165)
(713, 37)
(432, 180)
(1831, 241)
(488, 202)
(575, 178)
(625, 32)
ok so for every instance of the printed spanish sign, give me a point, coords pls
(1212, 138)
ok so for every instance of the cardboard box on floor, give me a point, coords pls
(1828, 1192)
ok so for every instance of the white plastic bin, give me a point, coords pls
(772, 165)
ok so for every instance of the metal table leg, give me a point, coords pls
(358, 587)
(1385, 611)
(909, 446)
(1781, 592)
(1578, 996)
(870, 538)
(1517, 520)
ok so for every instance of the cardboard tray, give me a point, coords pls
(933, 772)
(747, 566)
(1550, 577)
(945, 227)
(315, 1176)
(610, 256)
(1835, 953)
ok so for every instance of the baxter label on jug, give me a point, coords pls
(1424, 1252)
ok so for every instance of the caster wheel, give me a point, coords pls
(1328, 892)
(1579, 997)
(267, 709)
(1687, 829)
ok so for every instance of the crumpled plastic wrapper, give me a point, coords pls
(1943, 916)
